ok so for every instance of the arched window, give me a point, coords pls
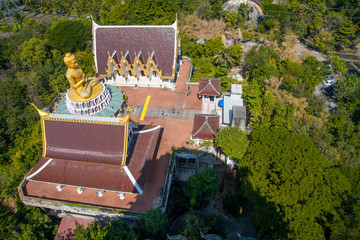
(154, 74)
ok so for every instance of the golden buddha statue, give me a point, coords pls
(80, 88)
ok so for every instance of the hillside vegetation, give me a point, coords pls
(298, 163)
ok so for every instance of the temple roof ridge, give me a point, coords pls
(209, 84)
(205, 123)
(96, 25)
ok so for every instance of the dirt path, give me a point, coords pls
(40, 16)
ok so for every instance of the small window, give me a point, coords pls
(182, 161)
(192, 161)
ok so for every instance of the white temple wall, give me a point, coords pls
(143, 81)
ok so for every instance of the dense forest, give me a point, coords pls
(297, 162)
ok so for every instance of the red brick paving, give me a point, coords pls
(165, 98)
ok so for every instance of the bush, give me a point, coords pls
(154, 224)
(200, 185)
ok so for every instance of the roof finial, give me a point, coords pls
(41, 112)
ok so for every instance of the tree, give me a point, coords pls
(346, 33)
(229, 57)
(213, 47)
(203, 69)
(291, 184)
(347, 92)
(339, 66)
(200, 185)
(118, 230)
(223, 58)
(154, 224)
(114, 230)
(36, 225)
(316, 106)
(69, 36)
(252, 96)
(7, 220)
(315, 25)
(235, 51)
(93, 231)
(35, 52)
(258, 61)
(233, 142)
(193, 225)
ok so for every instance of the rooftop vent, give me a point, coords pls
(121, 195)
(100, 193)
(60, 187)
(80, 190)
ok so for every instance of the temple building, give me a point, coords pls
(101, 162)
(95, 160)
(145, 56)
(205, 127)
(209, 91)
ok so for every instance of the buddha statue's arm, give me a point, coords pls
(75, 85)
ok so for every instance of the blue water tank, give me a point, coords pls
(221, 103)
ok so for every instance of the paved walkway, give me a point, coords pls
(166, 113)
(165, 98)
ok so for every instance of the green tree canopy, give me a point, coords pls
(154, 224)
(339, 66)
(69, 36)
(200, 185)
(235, 51)
(347, 92)
(35, 52)
(114, 230)
(233, 142)
(291, 183)
(346, 33)
(93, 231)
(213, 47)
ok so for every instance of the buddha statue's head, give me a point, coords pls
(70, 61)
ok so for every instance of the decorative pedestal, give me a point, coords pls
(91, 106)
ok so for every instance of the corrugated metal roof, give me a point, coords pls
(229, 102)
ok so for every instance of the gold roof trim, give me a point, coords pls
(42, 113)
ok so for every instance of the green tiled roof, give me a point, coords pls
(114, 105)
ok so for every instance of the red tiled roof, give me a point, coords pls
(99, 175)
(205, 125)
(89, 142)
(68, 225)
(209, 87)
(147, 39)
(82, 174)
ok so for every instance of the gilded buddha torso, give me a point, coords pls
(80, 88)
